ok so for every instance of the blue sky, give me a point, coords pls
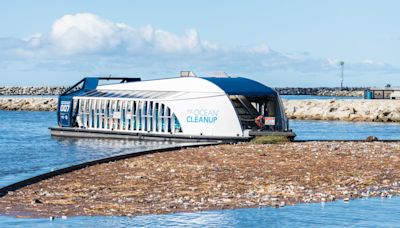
(280, 43)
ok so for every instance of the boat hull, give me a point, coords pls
(91, 133)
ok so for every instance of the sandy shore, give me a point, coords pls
(216, 177)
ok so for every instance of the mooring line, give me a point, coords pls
(32, 180)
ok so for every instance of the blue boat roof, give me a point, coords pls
(242, 86)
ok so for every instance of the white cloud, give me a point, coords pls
(87, 41)
(372, 65)
(260, 49)
(372, 62)
(34, 40)
(87, 33)
(171, 43)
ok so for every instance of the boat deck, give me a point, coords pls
(95, 133)
(92, 133)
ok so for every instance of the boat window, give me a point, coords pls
(249, 108)
(125, 115)
(177, 126)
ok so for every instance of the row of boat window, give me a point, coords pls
(125, 115)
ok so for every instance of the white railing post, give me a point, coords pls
(153, 114)
(159, 120)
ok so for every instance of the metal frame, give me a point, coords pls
(124, 114)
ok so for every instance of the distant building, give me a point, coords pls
(395, 95)
(382, 93)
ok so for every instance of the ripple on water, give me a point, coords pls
(372, 212)
(28, 149)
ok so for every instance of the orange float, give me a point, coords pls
(260, 121)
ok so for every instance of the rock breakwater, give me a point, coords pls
(347, 110)
(32, 91)
(323, 91)
(318, 91)
(28, 104)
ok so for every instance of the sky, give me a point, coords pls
(279, 43)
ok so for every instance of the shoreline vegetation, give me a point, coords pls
(313, 109)
(216, 177)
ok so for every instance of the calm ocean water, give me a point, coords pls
(373, 212)
(27, 149)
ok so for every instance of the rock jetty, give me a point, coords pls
(28, 104)
(32, 91)
(347, 110)
(216, 177)
(323, 91)
(318, 91)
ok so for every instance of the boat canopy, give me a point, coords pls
(242, 86)
(230, 86)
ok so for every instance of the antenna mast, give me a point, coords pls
(341, 63)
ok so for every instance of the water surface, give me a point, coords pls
(343, 130)
(373, 212)
(27, 149)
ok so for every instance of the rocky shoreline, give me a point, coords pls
(28, 104)
(32, 91)
(317, 91)
(323, 91)
(314, 109)
(216, 177)
(346, 110)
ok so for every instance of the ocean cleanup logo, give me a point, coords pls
(208, 116)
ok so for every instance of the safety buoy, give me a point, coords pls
(260, 121)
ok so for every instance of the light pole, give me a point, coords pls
(341, 63)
